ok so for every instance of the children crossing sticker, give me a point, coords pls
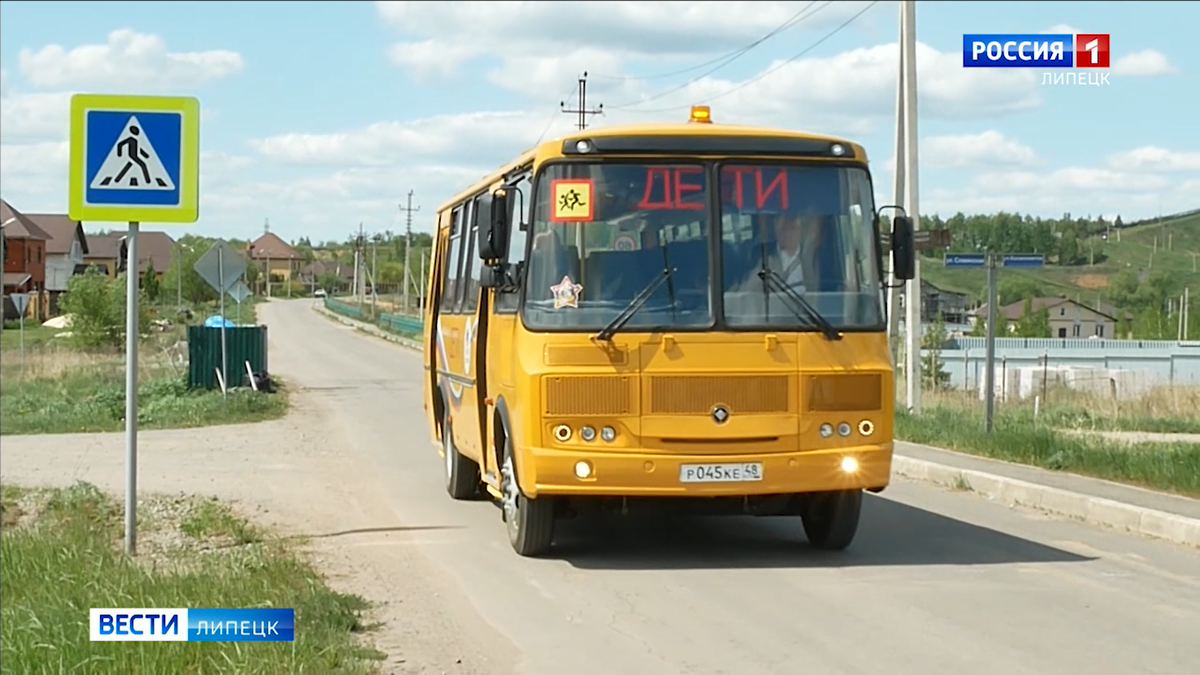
(572, 200)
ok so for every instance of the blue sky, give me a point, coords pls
(326, 114)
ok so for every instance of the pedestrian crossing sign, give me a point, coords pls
(135, 158)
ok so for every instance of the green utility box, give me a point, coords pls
(242, 344)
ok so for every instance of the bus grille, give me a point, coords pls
(588, 395)
(697, 394)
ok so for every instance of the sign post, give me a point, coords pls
(988, 260)
(21, 302)
(134, 159)
(222, 267)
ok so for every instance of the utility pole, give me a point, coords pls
(893, 297)
(360, 264)
(582, 111)
(912, 300)
(408, 211)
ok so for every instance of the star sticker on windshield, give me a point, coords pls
(566, 293)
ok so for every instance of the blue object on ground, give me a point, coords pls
(215, 321)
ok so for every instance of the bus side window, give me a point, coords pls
(451, 264)
(472, 263)
(506, 302)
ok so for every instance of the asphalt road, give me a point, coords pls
(937, 581)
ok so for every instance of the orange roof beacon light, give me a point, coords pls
(701, 113)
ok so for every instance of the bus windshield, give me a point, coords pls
(810, 227)
(602, 233)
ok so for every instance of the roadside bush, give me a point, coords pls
(97, 308)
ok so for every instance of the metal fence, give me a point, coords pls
(1160, 362)
(397, 323)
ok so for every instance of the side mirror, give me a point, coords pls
(493, 226)
(904, 254)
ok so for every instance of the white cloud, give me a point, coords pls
(986, 149)
(1153, 158)
(1146, 63)
(429, 58)
(128, 59)
(34, 117)
(37, 172)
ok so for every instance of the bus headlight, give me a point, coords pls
(562, 433)
(588, 434)
(826, 430)
(609, 434)
(849, 465)
(843, 429)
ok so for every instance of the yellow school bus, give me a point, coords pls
(687, 316)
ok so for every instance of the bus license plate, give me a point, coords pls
(720, 473)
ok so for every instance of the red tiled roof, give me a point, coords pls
(269, 245)
(17, 225)
(62, 231)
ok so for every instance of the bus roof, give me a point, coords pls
(552, 148)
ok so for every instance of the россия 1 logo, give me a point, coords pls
(1041, 50)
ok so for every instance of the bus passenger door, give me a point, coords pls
(450, 332)
(469, 421)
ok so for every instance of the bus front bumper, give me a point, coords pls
(555, 471)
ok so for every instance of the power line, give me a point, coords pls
(791, 22)
(729, 55)
(760, 76)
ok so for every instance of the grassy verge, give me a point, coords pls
(1170, 467)
(60, 556)
(61, 390)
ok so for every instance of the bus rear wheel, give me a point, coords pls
(530, 522)
(461, 474)
(831, 519)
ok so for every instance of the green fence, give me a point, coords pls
(396, 323)
(242, 344)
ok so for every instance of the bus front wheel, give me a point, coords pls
(831, 519)
(530, 522)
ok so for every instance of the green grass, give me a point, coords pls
(65, 559)
(36, 336)
(63, 391)
(1170, 467)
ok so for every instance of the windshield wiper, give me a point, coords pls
(797, 303)
(634, 305)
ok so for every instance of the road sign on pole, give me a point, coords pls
(965, 259)
(134, 159)
(1024, 260)
(221, 266)
(21, 302)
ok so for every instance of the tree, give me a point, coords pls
(96, 305)
(933, 371)
(1033, 323)
(150, 284)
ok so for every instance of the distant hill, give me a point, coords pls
(1165, 250)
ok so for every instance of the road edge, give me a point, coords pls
(1148, 522)
(1173, 527)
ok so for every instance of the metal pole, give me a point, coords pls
(178, 274)
(989, 375)
(421, 287)
(407, 248)
(131, 388)
(913, 295)
(224, 353)
(893, 298)
(374, 277)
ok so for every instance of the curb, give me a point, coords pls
(1095, 510)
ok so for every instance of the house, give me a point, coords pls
(24, 260)
(1068, 318)
(277, 261)
(312, 274)
(65, 251)
(156, 247)
(949, 306)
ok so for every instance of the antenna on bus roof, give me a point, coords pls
(583, 112)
